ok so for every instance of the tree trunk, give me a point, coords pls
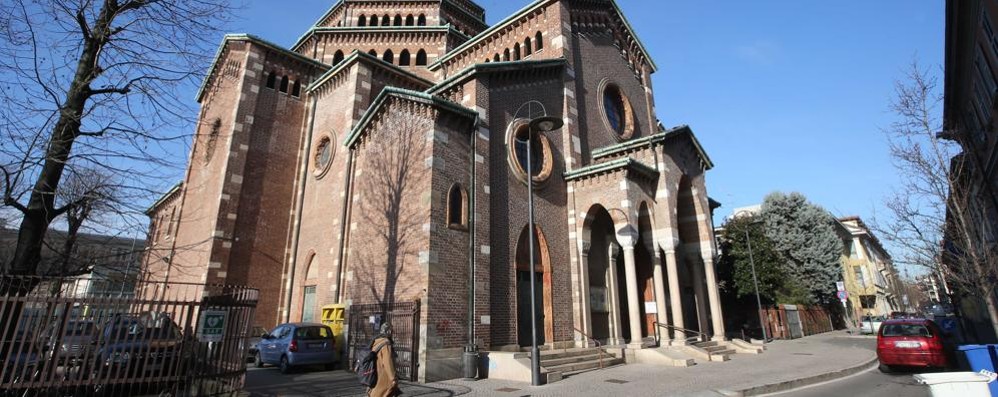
(992, 303)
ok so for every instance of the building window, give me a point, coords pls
(398, 20)
(308, 304)
(271, 80)
(457, 213)
(421, 21)
(362, 21)
(617, 112)
(284, 84)
(539, 41)
(389, 56)
(404, 58)
(409, 20)
(495, 58)
(505, 55)
(516, 52)
(296, 89)
(421, 58)
(338, 57)
(386, 20)
(373, 53)
(541, 160)
(528, 47)
(323, 156)
(868, 301)
(860, 280)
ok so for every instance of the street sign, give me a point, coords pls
(840, 286)
(843, 295)
(211, 326)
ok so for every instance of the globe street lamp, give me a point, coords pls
(542, 124)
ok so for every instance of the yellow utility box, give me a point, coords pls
(335, 316)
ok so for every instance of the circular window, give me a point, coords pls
(541, 162)
(323, 156)
(617, 112)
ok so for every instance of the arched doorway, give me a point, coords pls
(542, 284)
(602, 255)
(694, 297)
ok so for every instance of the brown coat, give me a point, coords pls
(387, 381)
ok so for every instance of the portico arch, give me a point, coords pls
(542, 280)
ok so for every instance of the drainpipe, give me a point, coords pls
(470, 350)
(300, 204)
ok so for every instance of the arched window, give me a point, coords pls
(404, 58)
(362, 20)
(409, 20)
(296, 89)
(505, 55)
(389, 56)
(539, 41)
(457, 212)
(284, 84)
(496, 58)
(421, 21)
(373, 53)
(271, 80)
(338, 57)
(528, 47)
(398, 20)
(421, 58)
(373, 20)
(386, 20)
(516, 52)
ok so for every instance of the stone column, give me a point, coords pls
(701, 294)
(633, 310)
(614, 304)
(675, 294)
(715, 299)
(586, 313)
(660, 299)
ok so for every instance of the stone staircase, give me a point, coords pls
(560, 363)
(718, 351)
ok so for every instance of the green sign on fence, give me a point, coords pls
(211, 326)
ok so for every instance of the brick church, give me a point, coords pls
(382, 158)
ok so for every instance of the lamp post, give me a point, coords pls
(542, 124)
(755, 280)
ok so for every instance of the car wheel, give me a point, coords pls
(285, 366)
(258, 361)
(330, 366)
(885, 368)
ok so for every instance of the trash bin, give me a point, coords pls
(979, 357)
(955, 384)
(335, 317)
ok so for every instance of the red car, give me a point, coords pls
(911, 343)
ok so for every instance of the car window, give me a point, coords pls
(313, 333)
(285, 331)
(906, 330)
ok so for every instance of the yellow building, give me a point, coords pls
(871, 280)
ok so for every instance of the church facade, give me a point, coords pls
(382, 158)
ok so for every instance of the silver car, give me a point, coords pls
(870, 324)
(73, 342)
(298, 344)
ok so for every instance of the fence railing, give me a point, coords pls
(794, 321)
(364, 321)
(56, 339)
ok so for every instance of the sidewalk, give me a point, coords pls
(783, 361)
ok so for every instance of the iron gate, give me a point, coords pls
(365, 320)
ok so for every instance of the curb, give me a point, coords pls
(801, 382)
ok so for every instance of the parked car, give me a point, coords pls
(21, 358)
(255, 336)
(297, 344)
(911, 343)
(134, 350)
(870, 324)
(70, 343)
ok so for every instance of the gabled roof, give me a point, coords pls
(492, 67)
(409, 95)
(255, 40)
(531, 8)
(682, 130)
(357, 56)
(626, 163)
(164, 198)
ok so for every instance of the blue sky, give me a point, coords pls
(784, 95)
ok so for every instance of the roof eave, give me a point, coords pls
(416, 96)
(492, 67)
(253, 39)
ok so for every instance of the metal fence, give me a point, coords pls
(796, 321)
(364, 323)
(161, 338)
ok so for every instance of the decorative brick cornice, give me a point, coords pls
(229, 38)
(357, 56)
(167, 198)
(380, 30)
(474, 70)
(655, 140)
(408, 95)
(625, 164)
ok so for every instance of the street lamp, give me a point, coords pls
(755, 280)
(542, 124)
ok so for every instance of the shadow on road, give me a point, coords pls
(270, 382)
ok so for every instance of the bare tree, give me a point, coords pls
(94, 84)
(935, 216)
(93, 191)
(390, 207)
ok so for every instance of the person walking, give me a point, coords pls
(387, 384)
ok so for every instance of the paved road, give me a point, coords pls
(865, 384)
